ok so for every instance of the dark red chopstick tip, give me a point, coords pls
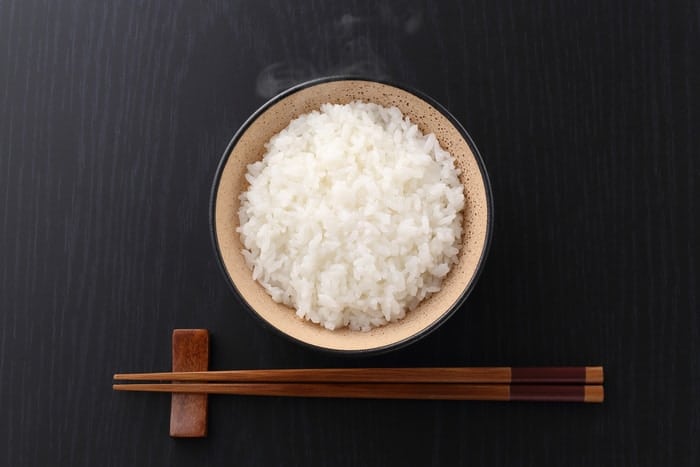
(556, 393)
(557, 375)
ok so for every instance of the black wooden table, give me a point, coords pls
(113, 117)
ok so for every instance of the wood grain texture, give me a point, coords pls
(188, 412)
(115, 114)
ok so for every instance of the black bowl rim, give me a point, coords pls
(489, 221)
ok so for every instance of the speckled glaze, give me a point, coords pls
(248, 146)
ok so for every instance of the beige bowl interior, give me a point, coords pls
(250, 148)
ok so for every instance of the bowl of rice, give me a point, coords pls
(352, 215)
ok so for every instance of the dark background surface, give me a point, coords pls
(113, 117)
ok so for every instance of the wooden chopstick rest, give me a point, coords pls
(188, 412)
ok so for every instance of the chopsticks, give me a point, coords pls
(432, 391)
(570, 384)
(505, 375)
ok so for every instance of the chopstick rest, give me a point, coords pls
(188, 412)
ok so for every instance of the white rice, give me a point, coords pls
(352, 217)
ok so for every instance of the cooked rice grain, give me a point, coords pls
(352, 217)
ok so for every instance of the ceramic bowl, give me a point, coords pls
(247, 146)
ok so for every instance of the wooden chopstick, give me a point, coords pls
(433, 391)
(484, 375)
